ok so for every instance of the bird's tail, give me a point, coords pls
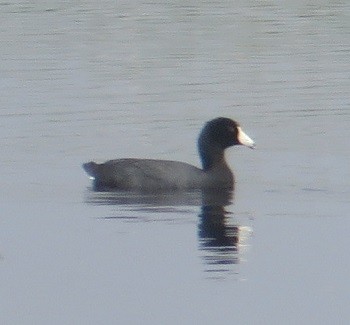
(91, 168)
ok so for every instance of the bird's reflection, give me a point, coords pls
(220, 236)
(219, 239)
(144, 201)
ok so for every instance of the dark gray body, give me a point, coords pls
(149, 174)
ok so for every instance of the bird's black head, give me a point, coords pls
(226, 133)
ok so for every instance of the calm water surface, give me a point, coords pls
(102, 80)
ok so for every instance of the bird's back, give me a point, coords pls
(145, 174)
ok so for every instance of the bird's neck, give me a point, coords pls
(211, 156)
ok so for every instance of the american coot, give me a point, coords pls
(150, 174)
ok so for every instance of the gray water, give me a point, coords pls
(104, 79)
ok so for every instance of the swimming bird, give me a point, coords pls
(151, 175)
